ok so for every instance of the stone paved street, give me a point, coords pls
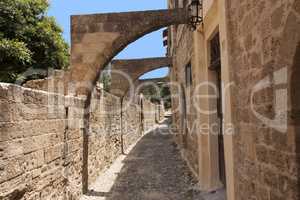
(152, 170)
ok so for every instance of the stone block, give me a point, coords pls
(74, 134)
(278, 160)
(56, 112)
(297, 6)
(54, 153)
(4, 93)
(271, 179)
(277, 17)
(287, 185)
(35, 97)
(9, 169)
(32, 160)
(280, 140)
(262, 154)
(74, 145)
(6, 114)
(26, 145)
(262, 193)
(29, 112)
(10, 92)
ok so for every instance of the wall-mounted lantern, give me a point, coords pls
(196, 10)
(165, 37)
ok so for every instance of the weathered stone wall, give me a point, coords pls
(55, 82)
(182, 55)
(263, 40)
(132, 123)
(104, 138)
(40, 157)
(160, 112)
(41, 140)
(149, 112)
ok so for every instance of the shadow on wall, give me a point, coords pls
(295, 101)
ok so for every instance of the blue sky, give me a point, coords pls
(148, 46)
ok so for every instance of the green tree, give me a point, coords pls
(163, 93)
(105, 78)
(29, 39)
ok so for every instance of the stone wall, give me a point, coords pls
(263, 38)
(104, 139)
(263, 42)
(41, 140)
(149, 114)
(40, 157)
(55, 82)
(160, 112)
(185, 116)
(132, 123)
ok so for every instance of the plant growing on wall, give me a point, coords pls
(29, 39)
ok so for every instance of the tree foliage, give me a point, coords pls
(105, 80)
(158, 92)
(29, 39)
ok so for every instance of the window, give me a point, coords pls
(215, 54)
(188, 74)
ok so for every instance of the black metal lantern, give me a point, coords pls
(195, 9)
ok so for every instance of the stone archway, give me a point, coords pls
(122, 70)
(96, 39)
(157, 84)
(141, 84)
(144, 82)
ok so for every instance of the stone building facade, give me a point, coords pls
(235, 76)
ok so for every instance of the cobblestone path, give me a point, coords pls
(152, 170)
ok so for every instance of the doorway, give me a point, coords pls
(215, 66)
(183, 117)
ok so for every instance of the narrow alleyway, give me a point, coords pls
(152, 170)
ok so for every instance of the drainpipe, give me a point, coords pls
(85, 144)
(122, 139)
(142, 114)
(65, 150)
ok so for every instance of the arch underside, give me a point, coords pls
(97, 38)
(139, 84)
(125, 73)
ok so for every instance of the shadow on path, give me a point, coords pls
(153, 170)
